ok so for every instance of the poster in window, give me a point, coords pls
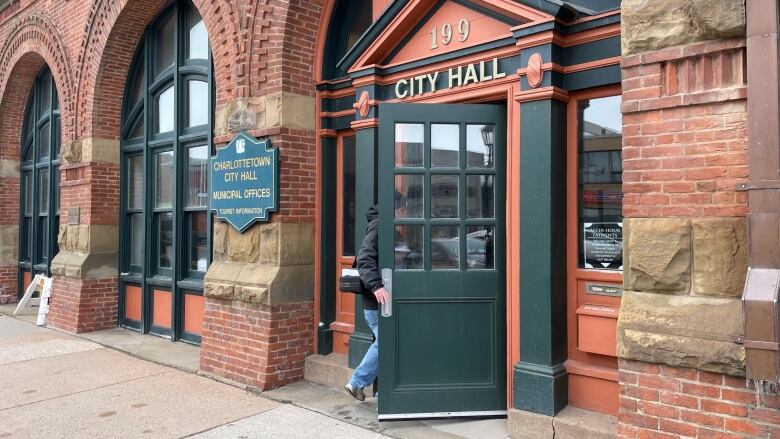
(603, 246)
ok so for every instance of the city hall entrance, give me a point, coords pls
(441, 189)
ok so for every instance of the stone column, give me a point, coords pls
(84, 295)
(9, 230)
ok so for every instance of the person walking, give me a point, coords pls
(373, 295)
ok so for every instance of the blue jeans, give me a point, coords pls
(365, 374)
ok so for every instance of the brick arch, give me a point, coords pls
(33, 41)
(114, 29)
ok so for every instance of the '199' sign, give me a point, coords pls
(464, 27)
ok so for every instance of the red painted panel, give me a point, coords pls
(193, 313)
(597, 329)
(133, 302)
(26, 279)
(583, 390)
(161, 313)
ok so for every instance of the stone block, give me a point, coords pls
(70, 152)
(82, 265)
(528, 425)
(9, 168)
(682, 331)
(220, 279)
(244, 247)
(89, 238)
(649, 25)
(287, 244)
(719, 256)
(658, 255)
(9, 255)
(9, 235)
(276, 110)
(220, 240)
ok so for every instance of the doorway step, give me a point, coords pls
(330, 370)
(570, 423)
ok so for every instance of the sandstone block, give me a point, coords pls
(220, 240)
(9, 235)
(244, 247)
(280, 109)
(81, 265)
(655, 24)
(9, 168)
(658, 255)
(719, 256)
(689, 331)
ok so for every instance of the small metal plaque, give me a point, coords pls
(74, 215)
(603, 290)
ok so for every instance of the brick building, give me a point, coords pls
(583, 187)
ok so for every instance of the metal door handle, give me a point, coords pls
(387, 280)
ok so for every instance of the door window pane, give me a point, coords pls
(445, 145)
(165, 238)
(479, 247)
(43, 192)
(600, 188)
(164, 180)
(198, 174)
(165, 111)
(198, 242)
(409, 196)
(197, 37)
(409, 140)
(479, 196)
(480, 141)
(445, 247)
(44, 141)
(348, 197)
(409, 247)
(165, 43)
(135, 182)
(444, 196)
(136, 241)
(198, 102)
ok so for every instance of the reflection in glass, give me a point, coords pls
(361, 21)
(165, 237)
(409, 139)
(29, 154)
(139, 86)
(409, 247)
(479, 247)
(45, 93)
(43, 193)
(198, 102)
(445, 247)
(57, 137)
(445, 145)
(56, 172)
(444, 196)
(28, 194)
(164, 180)
(480, 141)
(348, 197)
(600, 181)
(165, 111)
(198, 176)
(42, 240)
(165, 44)
(135, 182)
(198, 242)
(44, 143)
(409, 196)
(479, 196)
(197, 37)
(138, 129)
(137, 240)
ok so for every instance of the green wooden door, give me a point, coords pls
(442, 232)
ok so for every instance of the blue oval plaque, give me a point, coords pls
(245, 181)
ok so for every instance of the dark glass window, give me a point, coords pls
(349, 194)
(349, 21)
(39, 194)
(600, 184)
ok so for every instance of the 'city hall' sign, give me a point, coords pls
(455, 77)
(245, 181)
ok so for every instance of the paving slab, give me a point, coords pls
(19, 344)
(168, 405)
(160, 350)
(289, 422)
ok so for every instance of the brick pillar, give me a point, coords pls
(9, 230)
(84, 295)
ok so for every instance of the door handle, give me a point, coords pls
(387, 280)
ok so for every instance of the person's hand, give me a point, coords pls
(382, 296)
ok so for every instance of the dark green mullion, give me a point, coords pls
(34, 179)
(210, 147)
(178, 229)
(146, 266)
(427, 197)
(462, 197)
(52, 196)
(328, 292)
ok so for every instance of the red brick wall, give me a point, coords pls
(83, 305)
(684, 131)
(8, 284)
(262, 346)
(658, 401)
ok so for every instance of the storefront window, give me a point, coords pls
(600, 184)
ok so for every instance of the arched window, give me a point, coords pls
(166, 145)
(350, 18)
(40, 166)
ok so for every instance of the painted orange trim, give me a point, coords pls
(340, 93)
(592, 65)
(539, 39)
(194, 306)
(26, 279)
(334, 114)
(587, 36)
(161, 311)
(327, 133)
(344, 322)
(538, 94)
(580, 368)
(365, 123)
(319, 51)
(133, 303)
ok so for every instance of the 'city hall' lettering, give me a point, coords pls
(457, 77)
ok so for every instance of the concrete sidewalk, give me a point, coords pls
(55, 385)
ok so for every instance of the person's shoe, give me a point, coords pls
(356, 393)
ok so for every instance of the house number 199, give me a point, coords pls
(446, 33)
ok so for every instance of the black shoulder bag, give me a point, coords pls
(350, 283)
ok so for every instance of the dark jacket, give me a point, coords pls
(368, 260)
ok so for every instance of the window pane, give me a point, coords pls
(197, 37)
(44, 141)
(42, 240)
(135, 182)
(409, 196)
(409, 139)
(361, 22)
(600, 184)
(56, 171)
(57, 137)
(165, 111)
(409, 247)
(164, 180)
(480, 140)
(444, 196)
(43, 192)
(348, 198)
(139, 86)
(28, 194)
(164, 45)
(479, 247)
(26, 250)
(136, 227)
(28, 154)
(445, 247)
(198, 174)
(198, 242)
(198, 101)
(165, 238)
(445, 145)
(479, 196)
(138, 129)
(45, 88)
